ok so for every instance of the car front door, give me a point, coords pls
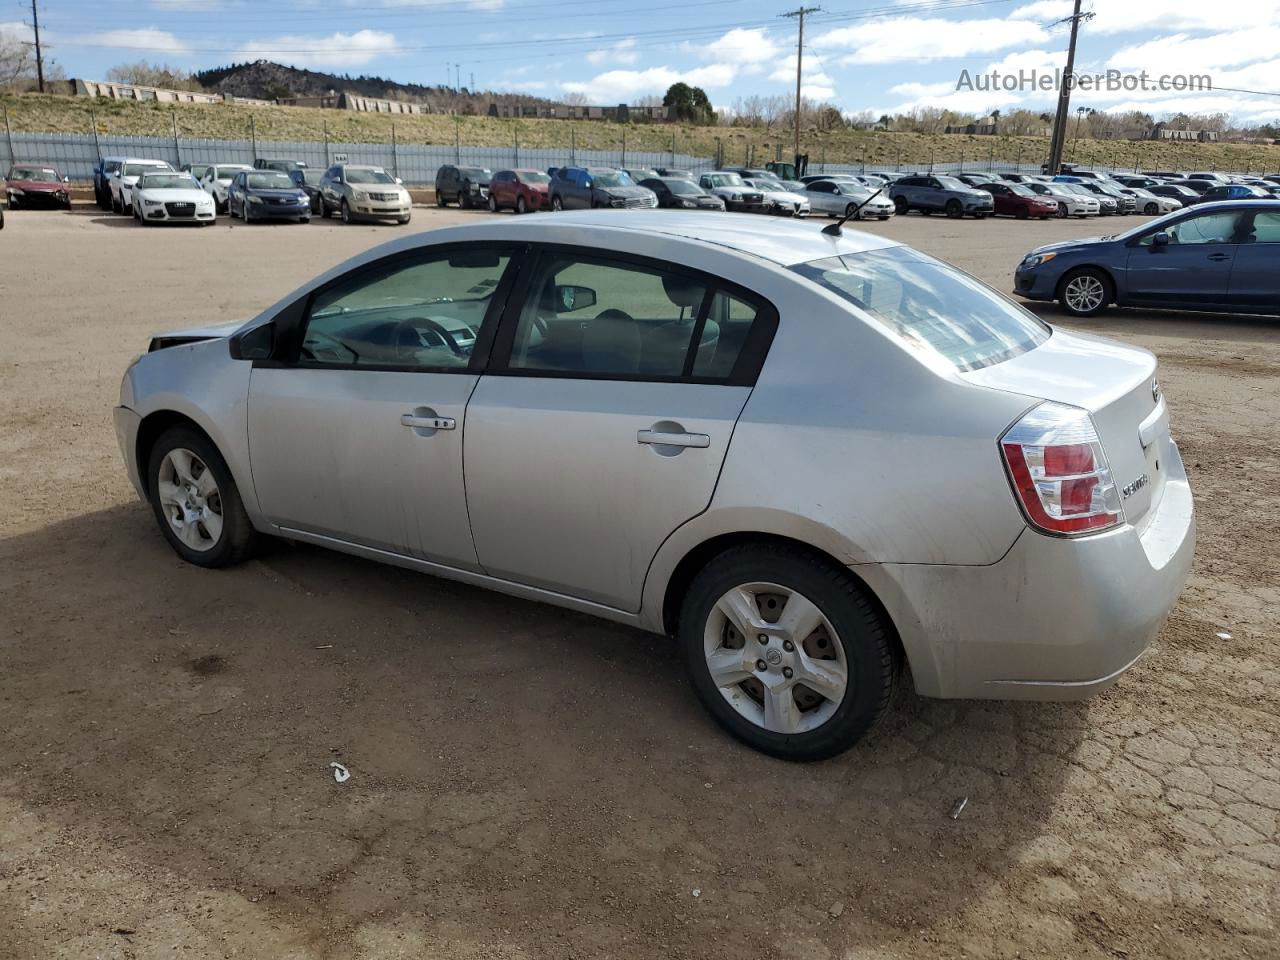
(822, 197)
(1192, 270)
(356, 425)
(1255, 281)
(235, 194)
(604, 419)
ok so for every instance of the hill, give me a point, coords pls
(263, 79)
(61, 114)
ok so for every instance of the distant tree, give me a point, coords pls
(576, 99)
(691, 104)
(154, 75)
(828, 117)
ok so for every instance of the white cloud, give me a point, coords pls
(817, 91)
(618, 86)
(926, 38)
(15, 30)
(1120, 16)
(750, 50)
(1186, 54)
(146, 39)
(784, 70)
(944, 94)
(620, 53)
(335, 50)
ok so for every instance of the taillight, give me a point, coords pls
(1059, 471)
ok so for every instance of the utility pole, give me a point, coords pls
(35, 29)
(1064, 94)
(799, 14)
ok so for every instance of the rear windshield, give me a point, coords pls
(930, 305)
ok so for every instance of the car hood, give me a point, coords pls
(175, 195)
(1063, 245)
(627, 191)
(37, 186)
(215, 331)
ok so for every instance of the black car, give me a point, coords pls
(681, 194)
(284, 166)
(466, 186)
(1176, 191)
(267, 195)
(976, 179)
(308, 181)
(673, 172)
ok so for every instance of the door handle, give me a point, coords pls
(427, 423)
(660, 438)
(1219, 256)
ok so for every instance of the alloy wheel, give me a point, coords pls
(190, 499)
(775, 658)
(1084, 293)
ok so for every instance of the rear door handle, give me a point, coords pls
(1219, 256)
(673, 439)
(428, 423)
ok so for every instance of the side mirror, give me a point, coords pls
(587, 184)
(66, 179)
(255, 344)
(570, 298)
(399, 181)
(1160, 240)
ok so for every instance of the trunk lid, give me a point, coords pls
(1117, 384)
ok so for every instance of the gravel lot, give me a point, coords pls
(531, 783)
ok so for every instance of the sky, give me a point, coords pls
(883, 56)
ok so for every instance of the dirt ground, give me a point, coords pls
(531, 783)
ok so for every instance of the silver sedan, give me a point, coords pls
(837, 198)
(811, 457)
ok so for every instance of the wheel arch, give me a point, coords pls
(150, 429)
(1105, 271)
(696, 557)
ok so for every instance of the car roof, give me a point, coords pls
(783, 242)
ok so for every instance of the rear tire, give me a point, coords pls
(844, 643)
(1085, 292)
(186, 507)
(557, 204)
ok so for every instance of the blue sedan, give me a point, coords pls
(1220, 257)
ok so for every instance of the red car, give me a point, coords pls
(521, 190)
(36, 185)
(1015, 200)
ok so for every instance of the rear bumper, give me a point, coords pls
(1054, 619)
(127, 422)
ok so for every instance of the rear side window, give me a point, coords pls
(930, 305)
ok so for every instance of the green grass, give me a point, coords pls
(60, 114)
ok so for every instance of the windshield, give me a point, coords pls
(684, 188)
(612, 178)
(356, 175)
(138, 169)
(474, 173)
(1020, 190)
(226, 173)
(311, 176)
(36, 174)
(792, 185)
(930, 305)
(532, 176)
(725, 180)
(270, 180)
(168, 181)
(951, 183)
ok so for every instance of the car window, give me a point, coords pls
(422, 313)
(601, 317)
(1209, 228)
(1266, 228)
(732, 320)
(930, 305)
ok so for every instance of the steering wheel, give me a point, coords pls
(415, 325)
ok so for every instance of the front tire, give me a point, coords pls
(954, 210)
(787, 651)
(1063, 212)
(346, 213)
(493, 203)
(900, 205)
(196, 502)
(1085, 292)
(1151, 209)
(521, 206)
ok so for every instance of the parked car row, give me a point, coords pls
(151, 191)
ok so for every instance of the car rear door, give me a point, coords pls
(603, 421)
(356, 425)
(1255, 278)
(1192, 271)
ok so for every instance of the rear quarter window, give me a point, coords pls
(930, 305)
